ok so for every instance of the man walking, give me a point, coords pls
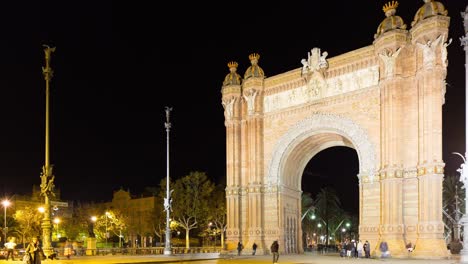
(274, 250)
(10, 246)
(254, 249)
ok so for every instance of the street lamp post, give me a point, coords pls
(120, 238)
(167, 200)
(348, 227)
(91, 240)
(463, 167)
(107, 234)
(47, 177)
(5, 203)
(57, 233)
(91, 231)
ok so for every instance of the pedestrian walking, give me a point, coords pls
(275, 251)
(10, 246)
(254, 249)
(239, 248)
(34, 251)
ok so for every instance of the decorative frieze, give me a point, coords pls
(319, 88)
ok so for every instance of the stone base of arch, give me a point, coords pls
(433, 248)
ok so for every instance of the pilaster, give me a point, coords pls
(429, 37)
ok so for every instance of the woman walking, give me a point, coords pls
(34, 251)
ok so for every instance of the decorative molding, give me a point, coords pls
(323, 123)
(318, 88)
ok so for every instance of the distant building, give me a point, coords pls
(60, 209)
(138, 210)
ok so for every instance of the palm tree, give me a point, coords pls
(328, 207)
(453, 204)
(308, 217)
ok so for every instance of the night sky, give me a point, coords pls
(118, 64)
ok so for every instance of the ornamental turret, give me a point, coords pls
(391, 21)
(429, 9)
(231, 91)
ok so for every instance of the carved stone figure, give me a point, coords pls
(250, 99)
(389, 60)
(229, 107)
(443, 52)
(429, 49)
(315, 61)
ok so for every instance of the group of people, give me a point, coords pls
(274, 248)
(349, 248)
(33, 254)
(355, 249)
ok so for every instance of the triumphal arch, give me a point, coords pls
(383, 100)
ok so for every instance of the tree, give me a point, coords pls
(29, 223)
(218, 211)
(308, 217)
(191, 199)
(157, 217)
(328, 207)
(453, 201)
(112, 221)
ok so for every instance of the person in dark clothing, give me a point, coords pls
(274, 250)
(254, 248)
(384, 249)
(367, 249)
(239, 248)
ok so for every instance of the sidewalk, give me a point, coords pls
(213, 258)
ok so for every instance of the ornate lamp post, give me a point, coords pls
(47, 177)
(463, 170)
(167, 200)
(5, 204)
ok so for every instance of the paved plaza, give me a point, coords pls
(234, 259)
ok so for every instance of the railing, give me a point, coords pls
(153, 250)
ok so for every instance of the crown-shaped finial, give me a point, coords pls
(232, 64)
(389, 6)
(254, 56)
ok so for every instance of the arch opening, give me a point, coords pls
(333, 170)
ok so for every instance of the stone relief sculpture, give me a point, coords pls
(443, 52)
(323, 63)
(315, 61)
(250, 99)
(389, 60)
(429, 49)
(229, 107)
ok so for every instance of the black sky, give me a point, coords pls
(118, 64)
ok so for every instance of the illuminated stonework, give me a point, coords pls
(384, 100)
